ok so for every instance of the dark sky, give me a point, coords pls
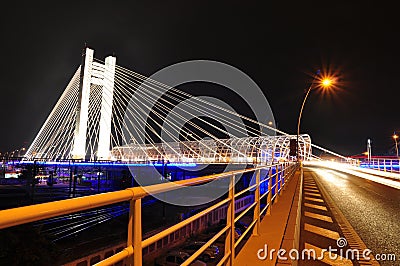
(276, 44)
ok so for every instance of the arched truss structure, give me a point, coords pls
(108, 112)
(257, 150)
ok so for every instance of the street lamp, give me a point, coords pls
(324, 82)
(369, 150)
(395, 137)
(21, 150)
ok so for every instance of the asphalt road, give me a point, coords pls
(372, 209)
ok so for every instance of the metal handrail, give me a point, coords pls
(383, 164)
(32, 213)
(26, 214)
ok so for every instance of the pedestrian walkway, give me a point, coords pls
(272, 229)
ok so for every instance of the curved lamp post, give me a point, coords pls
(323, 82)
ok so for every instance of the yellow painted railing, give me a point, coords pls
(133, 250)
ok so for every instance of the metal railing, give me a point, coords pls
(382, 164)
(280, 173)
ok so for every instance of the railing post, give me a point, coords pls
(398, 166)
(257, 207)
(129, 242)
(269, 197)
(230, 221)
(135, 231)
(283, 178)
(391, 165)
(277, 180)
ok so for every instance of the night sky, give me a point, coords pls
(276, 44)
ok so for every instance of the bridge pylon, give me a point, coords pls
(94, 73)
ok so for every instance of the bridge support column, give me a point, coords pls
(82, 110)
(103, 152)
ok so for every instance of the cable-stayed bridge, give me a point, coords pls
(108, 112)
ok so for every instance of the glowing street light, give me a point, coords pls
(321, 81)
(395, 137)
(327, 82)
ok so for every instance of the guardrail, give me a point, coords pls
(279, 172)
(382, 164)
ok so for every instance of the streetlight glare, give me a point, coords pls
(326, 82)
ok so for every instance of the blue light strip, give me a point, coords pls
(387, 166)
(118, 164)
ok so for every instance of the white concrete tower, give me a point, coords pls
(103, 152)
(98, 74)
(82, 110)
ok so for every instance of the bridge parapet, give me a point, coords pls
(278, 174)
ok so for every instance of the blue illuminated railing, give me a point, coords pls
(100, 163)
(382, 164)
